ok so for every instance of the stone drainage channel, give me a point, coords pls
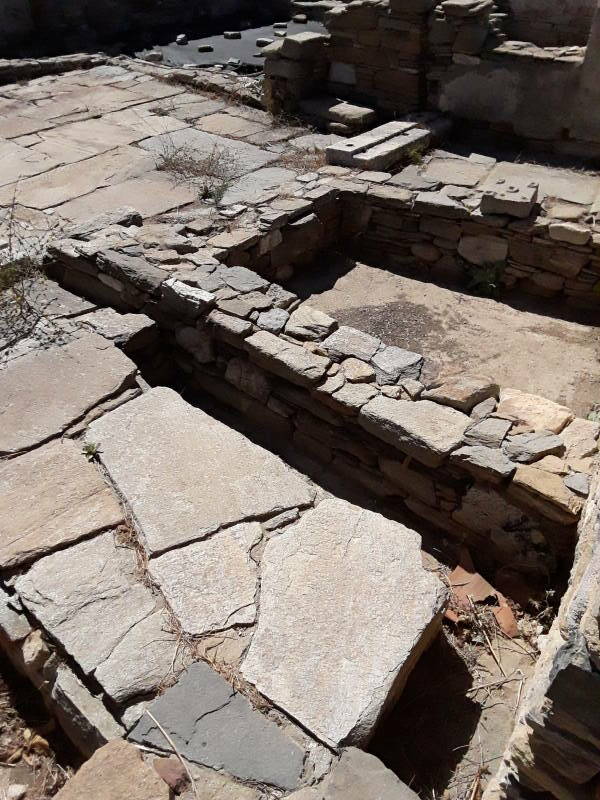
(449, 728)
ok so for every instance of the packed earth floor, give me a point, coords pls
(250, 536)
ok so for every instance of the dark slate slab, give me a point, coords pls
(213, 725)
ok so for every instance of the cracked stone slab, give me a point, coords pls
(243, 157)
(206, 475)
(211, 585)
(322, 652)
(87, 599)
(214, 726)
(47, 390)
(72, 502)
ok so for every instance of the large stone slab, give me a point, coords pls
(152, 193)
(114, 772)
(46, 391)
(242, 157)
(357, 776)
(252, 188)
(346, 608)
(211, 585)
(89, 601)
(72, 502)
(74, 180)
(185, 475)
(213, 725)
(423, 429)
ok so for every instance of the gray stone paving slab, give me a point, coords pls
(346, 607)
(152, 193)
(93, 612)
(211, 585)
(46, 391)
(206, 474)
(72, 502)
(251, 188)
(243, 157)
(74, 180)
(214, 726)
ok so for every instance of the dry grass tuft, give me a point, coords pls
(302, 161)
(209, 175)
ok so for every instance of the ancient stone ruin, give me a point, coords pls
(300, 402)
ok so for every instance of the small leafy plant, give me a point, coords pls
(484, 280)
(91, 450)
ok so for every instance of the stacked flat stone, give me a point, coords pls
(358, 404)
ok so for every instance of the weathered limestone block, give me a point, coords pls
(532, 410)
(462, 391)
(206, 474)
(489, 432)
(486, 463)
(131, 270)
(580, 438)
(310, 324)
(423, 429)
(307, 651)
(289, 361)
(248, 378)
(393, 363)
(513, 196)
(569, 232)
(40, 398)
(213, 725)
(357, 776)
(129, 331)
(483, 249)
(230, 329)
(545, 493)
(72, 502)
(346, 342)
(115, 771)
(211, 585)
(303, 46)
(188, 301)
(528, 447)
(14, 625)
(125, 216)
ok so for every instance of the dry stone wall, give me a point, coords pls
(555, 747)
(354, 403)
(412, 221)
(458, 56)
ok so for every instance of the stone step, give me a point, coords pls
(327, 110)
(343, 153)
(385, 155)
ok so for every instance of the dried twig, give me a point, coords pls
(481, 627)
(176, 751)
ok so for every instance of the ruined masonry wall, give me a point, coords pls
(550, 23)
(555, 744)
(446, 240)
(357, 405)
